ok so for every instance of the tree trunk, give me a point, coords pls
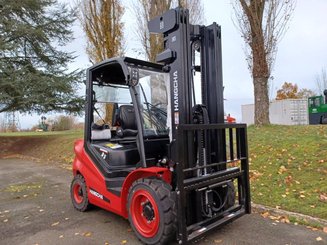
(261, 104)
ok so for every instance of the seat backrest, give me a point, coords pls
(126, 117)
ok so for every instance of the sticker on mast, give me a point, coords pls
(176, 106)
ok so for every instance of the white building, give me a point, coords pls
(284, 112)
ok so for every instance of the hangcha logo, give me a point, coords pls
(94, 193)
(175, 85)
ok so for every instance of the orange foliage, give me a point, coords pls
(288, 91)
(291, 91)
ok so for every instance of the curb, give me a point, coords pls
(258, 208)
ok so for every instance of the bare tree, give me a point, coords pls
(103, 27)
(262, 23)
(146, 10)
(321, 80)
(195, 8)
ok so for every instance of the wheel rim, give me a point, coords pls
(78, 193)
(145, 213)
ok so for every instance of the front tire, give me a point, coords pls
(151, 211)
(78, 194)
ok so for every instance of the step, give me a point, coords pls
(115, 182)
(120, 172)
(115, 190)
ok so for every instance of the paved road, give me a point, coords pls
(36, 209)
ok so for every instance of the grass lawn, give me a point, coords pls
(47, 146)
(288, 164)
(289, 168)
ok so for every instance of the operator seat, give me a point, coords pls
(126, 121)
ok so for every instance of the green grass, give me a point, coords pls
(32, 133)
(288, 167)
(47, 146)
(288, 164)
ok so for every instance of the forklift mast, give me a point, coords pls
(181, 39)
(202, 146)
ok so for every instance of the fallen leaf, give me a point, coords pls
(282, 169)
(76, 233)
(302, 196)
(319, 239)
(123, 241)
(61, 236)
(323, 197)
(285, 220)
(56, 223)
(106, 243)
(288, 180)
(218, 241)
(5, 221)
(66, 218)
(41, 210)
(265, 214)
(88, 234)
(325, 229)
(274, 217)
(254, 174)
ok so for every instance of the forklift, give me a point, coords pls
(156, 149)
(318, 109)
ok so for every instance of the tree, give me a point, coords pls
(306, 93)
(291, 91)
(288, 91)
(33, 69)
(102, 24)
(262, 23)
(321, 80)
(146, 10)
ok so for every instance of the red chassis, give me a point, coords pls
(84, 166)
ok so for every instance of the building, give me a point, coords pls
(283, 112)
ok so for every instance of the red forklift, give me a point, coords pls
(156, 150)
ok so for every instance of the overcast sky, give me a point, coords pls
(302, 53)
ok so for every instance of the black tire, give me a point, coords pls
(78, 193)
(158, 209)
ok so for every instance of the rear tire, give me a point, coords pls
(78, 194)
(151, 211)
